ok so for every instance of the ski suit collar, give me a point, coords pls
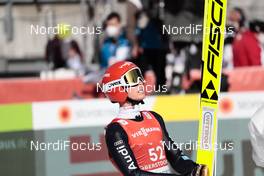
(129, 112)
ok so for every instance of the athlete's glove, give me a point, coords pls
(201, 170)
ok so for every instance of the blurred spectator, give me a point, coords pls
(247, 46)
(176, 65)
(116, 46)
(133, 7)
(75, 58)
(235, 26)
(153, 45)
(54, 53)
(192, 68)
(236, 19)
(228, 48)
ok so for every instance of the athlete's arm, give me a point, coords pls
(179, 162)
(121, 153)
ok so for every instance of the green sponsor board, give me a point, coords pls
(15, 117)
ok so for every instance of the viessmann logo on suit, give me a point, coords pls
(145, 132)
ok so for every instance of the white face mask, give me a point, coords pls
(193, 49)
(261, 38)
(112, 31)
(143, 21)
(234, 25)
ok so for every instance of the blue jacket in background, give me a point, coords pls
(110, 47)
(149, 37)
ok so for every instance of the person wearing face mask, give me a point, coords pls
(75, 58)
(116, 46)
(236, 19)
(248, 48)
(153, 44)
(235, 27)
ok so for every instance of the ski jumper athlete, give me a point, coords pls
(137, 141)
